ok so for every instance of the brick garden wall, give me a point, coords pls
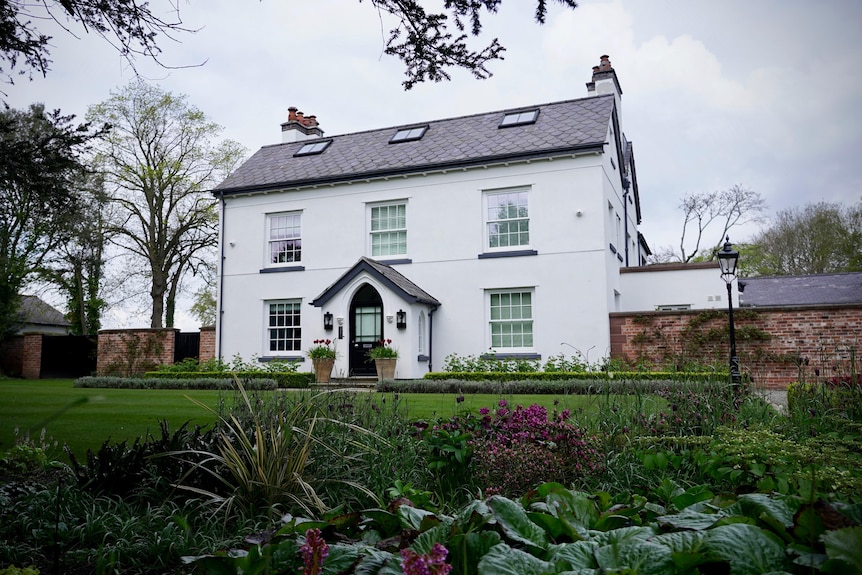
(775, 346)
(31, 365)
(207, 348)
(12, 356)
(130, 352)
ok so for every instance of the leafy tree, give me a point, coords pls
(158, 160)
(41, 164)
(77, 266)
(128, 25)
(818, 238)
(424, 43)
(205, 305)
(422, 40)
(727, 208)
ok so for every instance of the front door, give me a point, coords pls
(366, 329)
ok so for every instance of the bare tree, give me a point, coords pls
(819, 238)
(727, 208)
(159, 159)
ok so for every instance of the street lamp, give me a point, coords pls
(727, 260)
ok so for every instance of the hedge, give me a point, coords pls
(532, 386)
(284, 379)
(582, 375)
(222, 383)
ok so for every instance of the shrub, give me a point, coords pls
(189, 380)
(515, 450)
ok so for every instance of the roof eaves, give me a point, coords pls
(411, 170)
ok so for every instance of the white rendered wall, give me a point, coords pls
(699, 286)
(573, 276)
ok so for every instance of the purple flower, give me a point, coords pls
(313, 551)
(433, 563)
(484, 411)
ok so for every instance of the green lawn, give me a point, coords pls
(84, 418)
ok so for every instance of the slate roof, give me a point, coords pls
(561, 127)
(405, 288)
(821, 289)
(36, 312)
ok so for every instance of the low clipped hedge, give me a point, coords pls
(663, 376)
(511, 386)
(284, 379)
(213, 383)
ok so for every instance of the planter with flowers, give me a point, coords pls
(385, 356)
(323, 359)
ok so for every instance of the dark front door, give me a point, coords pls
(366, 329)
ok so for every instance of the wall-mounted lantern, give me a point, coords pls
(327, 321)
(401, 319)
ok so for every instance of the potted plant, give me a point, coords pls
(322, 358)
(384, 356)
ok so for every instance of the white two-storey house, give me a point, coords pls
(502, 232)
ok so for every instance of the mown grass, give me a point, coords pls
(84, 418)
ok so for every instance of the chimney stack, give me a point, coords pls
(299, 127)
(605, 81)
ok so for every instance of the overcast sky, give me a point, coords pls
(763, 93)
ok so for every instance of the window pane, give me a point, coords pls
(284, 331)
(389, 230)
(511, 324)
(508, 219)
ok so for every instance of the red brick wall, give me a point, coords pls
(775, 346)
(130, 352)
(207, 348)
(12, 356)
(31, 365)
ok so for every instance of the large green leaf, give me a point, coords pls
(413, 518)
(686, 547)
(844, 546)
(578, 507)
(340, 558)
(503, 560)
(640, 557)
(577, 555)
(748, 549)
(513, 519)
(467, 550)
(772, 510)
(437, 534)
(623, 535)
(374, 562)
(690, 518)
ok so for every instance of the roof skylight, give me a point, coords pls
(313, 148)
(519, 118)
(408, 134)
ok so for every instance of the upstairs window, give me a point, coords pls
(388, 230)
(408, 134)
(284, 238)
(313, 148)
(507, 219)
(519, 118)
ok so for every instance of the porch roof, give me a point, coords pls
(387, 275)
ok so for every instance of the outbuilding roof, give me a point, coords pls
(560, 128)
(820, 289)
(34, 311)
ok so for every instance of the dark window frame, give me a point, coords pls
(516, 118)
(312, 148)
(407, 137)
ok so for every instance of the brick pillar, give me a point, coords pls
(32, 364)
(206, 351)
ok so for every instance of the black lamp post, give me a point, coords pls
(727, 260)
